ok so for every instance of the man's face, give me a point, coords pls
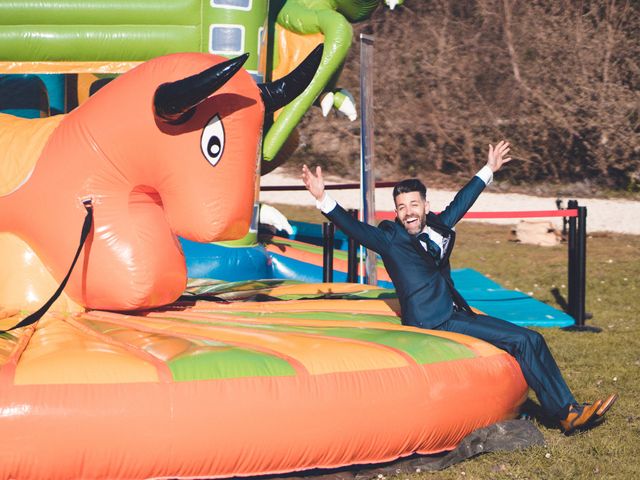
(411, 210)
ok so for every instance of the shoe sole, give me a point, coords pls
(606, 405)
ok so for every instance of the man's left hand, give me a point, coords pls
(497, 156)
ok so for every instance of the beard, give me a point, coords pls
(414, 225)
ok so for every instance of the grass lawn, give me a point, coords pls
(593, 364)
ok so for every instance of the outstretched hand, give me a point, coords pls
(496, 157)
(314, 183)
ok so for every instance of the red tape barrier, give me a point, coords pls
(392, 215)
(520, 214)
(341, 186)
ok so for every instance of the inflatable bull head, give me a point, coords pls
(170, 148)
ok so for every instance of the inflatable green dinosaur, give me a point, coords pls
(300, 26)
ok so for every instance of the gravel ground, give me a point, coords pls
(620, 216)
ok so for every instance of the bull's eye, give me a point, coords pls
(212, 141)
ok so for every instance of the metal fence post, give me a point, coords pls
(367, 164)
(572, 260)
(328, 231)
(577, 243)
(581, 266)
(352, 255)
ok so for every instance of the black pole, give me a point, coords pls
(578, 270)
(352, 255)
(572, 263)
(581, 256)
(328, 230)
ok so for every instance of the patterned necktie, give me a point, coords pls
(432, 247)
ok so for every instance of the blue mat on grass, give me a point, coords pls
(516, 307)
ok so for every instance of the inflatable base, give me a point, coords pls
(233, 381)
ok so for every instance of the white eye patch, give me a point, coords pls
(212, 140)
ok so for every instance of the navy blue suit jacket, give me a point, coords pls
(425, 290)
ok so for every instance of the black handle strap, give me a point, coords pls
(35, 316)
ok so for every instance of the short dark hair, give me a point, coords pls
(410, 185)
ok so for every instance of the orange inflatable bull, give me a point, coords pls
(170, 148)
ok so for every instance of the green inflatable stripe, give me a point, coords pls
(366, 294)
(227, 363)
(99, 12)
(95, 43)
(307, 247)
(131, 30)
(370, 294)
(422, 347)
(340, 316)
(379, 293)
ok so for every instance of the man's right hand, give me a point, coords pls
(498, 156)
(314, 183)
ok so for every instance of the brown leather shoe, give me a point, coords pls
(580, 416)
(607, 403)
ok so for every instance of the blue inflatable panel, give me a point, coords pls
(208, 260)
(23, 96)
(283, 267)
(312, 233)
(55, 84)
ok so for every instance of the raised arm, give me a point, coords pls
(466, 197)
(371, 237)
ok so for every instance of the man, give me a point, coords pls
(415, 250)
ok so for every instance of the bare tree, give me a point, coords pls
(560, 79)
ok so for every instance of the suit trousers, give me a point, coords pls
(530, 351)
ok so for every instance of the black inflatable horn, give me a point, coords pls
(277, 94)
(175, 102)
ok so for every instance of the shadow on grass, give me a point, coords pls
(534, 410)
(560, 300)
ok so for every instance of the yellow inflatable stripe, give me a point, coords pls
(61, 353)
(25, 282)
(381, 307)
(319, 288)
(164, 372)
(317, 354)
(137, 323)
(9, 316)
(67, 67)
(21, 142)
(163, 347)
(292, 49)
(13, 345)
